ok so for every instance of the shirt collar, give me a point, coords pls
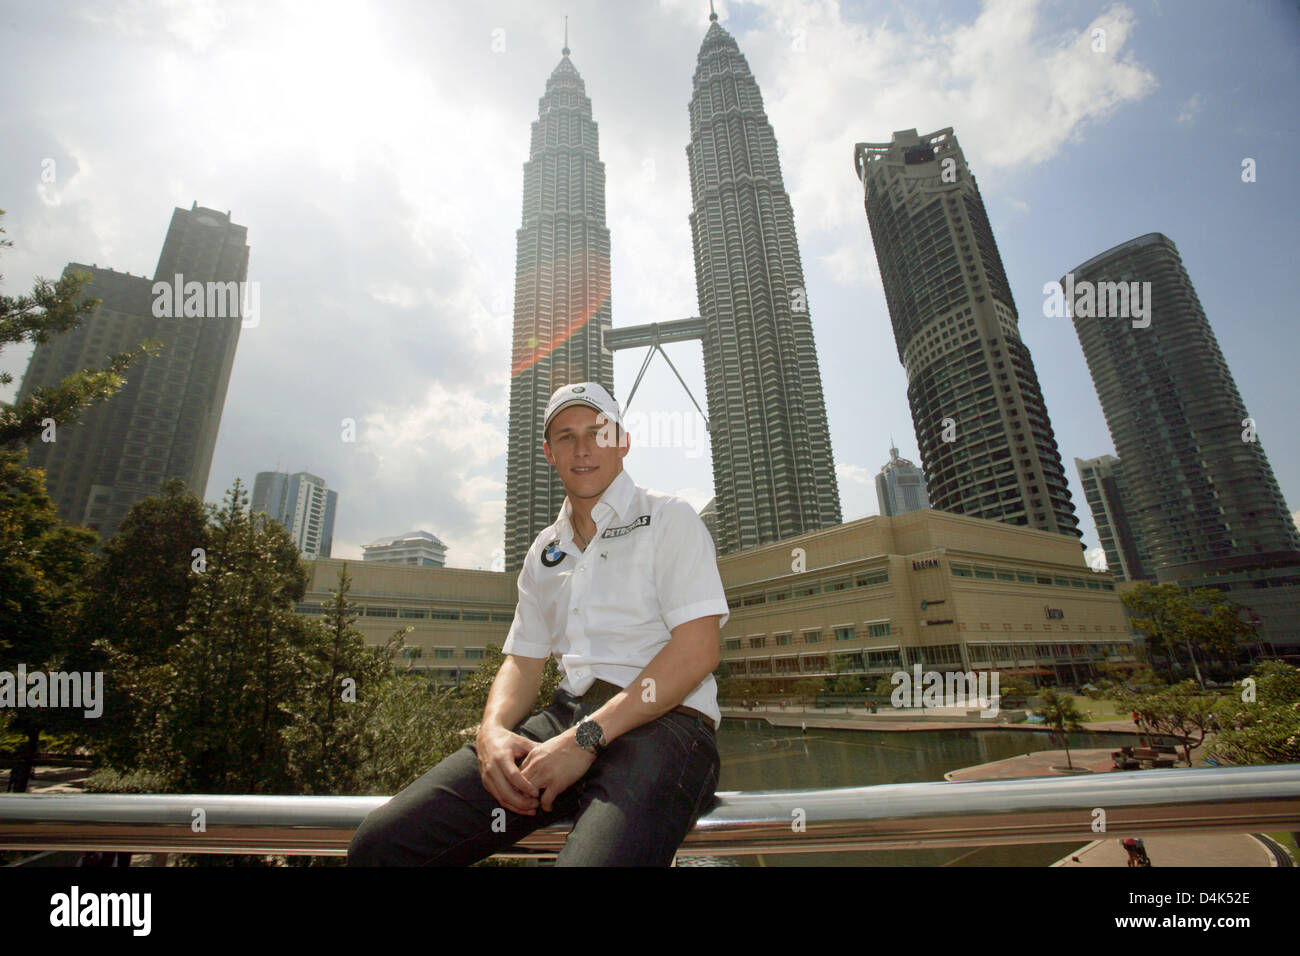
(615, 500)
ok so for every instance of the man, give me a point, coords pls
(623, 589)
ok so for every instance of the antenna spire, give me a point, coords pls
(713, 15)
(565, 51)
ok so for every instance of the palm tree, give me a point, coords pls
(1061, 717)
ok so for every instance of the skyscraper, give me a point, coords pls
(163, 423)
(301, 503)
(900, 487)
(986, 443)
(562, 301)
(773, 471)
(1204, 497)
(1106, 492)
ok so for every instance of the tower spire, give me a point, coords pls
(713, 14)
(565, 50)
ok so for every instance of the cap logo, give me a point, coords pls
(579, 388)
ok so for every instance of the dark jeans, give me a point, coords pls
(633, 808)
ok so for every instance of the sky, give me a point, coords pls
(375, 153)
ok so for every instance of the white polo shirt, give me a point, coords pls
(607, 611)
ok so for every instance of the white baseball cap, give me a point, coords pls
(591, 394)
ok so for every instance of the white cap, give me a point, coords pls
(591, 394)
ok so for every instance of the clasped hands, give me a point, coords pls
(548, 769)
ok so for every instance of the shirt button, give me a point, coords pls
(575, 610)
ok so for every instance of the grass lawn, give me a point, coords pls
(1103, 709)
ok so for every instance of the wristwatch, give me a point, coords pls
(591, 737)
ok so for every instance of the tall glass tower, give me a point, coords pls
(773, 471)
(1106, 491)
(900, 487)
(562, 302)
(987, 446)
(1203, 494)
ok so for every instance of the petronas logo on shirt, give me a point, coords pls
(640, 522)
(552, 555)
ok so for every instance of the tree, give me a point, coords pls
(1061, 717)
(1261, 724)
(331, 736)
(50, 309)
(232, 683)
(142, 583)
(1182, 711)
(1172, 618)
(42, 560)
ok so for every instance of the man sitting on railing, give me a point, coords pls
(623, 589)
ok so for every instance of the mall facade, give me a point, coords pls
(872, 596)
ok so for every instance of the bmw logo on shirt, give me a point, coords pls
(552, 555)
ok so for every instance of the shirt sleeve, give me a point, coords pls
(529, 634)
(686, 570)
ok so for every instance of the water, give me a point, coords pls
(758, 756)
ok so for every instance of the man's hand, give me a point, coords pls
(556, 765)
(498, 749)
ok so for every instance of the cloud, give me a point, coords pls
(1096, 558)
(1190, 107)
(381, 186)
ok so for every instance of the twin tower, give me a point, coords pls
(773, 471)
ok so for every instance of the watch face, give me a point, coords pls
(589, 734)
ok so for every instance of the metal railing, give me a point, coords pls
(893, 816)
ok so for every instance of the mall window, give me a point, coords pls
(757, 641)
(733, 643)
(444, 653)
(783, 640)
(474, 653)
(878, 629)
(844, 634)
(812, 637)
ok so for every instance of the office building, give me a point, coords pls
(163, 422)
(303, 504)
(1106, 492)
(876, 595)
(900, 487)
(986, 443)
(1203, 497)
(414, 547)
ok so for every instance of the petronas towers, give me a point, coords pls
(774, 474)
(561, 296)
(772, 465)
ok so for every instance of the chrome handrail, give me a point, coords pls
(1054, 809)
